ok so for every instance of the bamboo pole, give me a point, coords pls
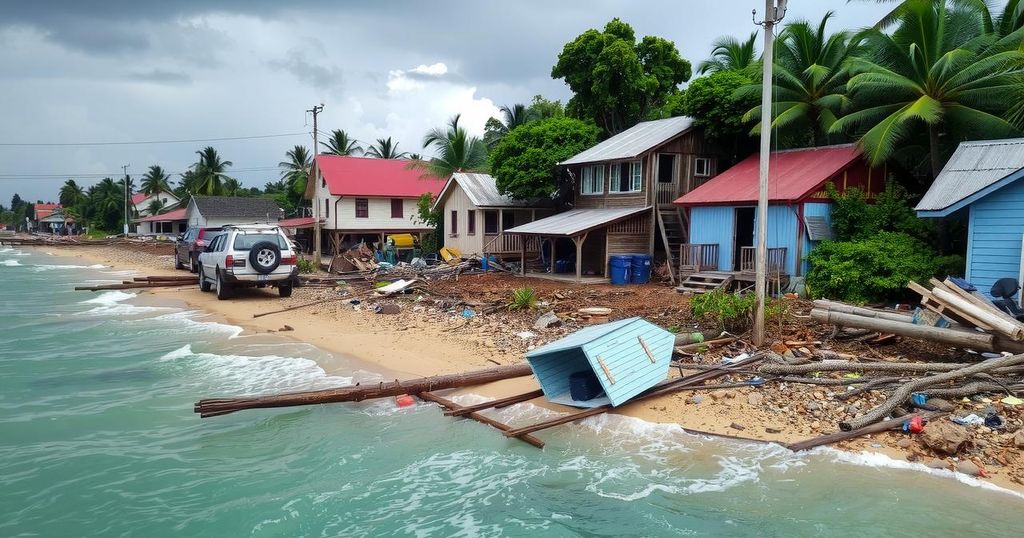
(833, 306)
(454, 407)
(953, 337)
(356, 393)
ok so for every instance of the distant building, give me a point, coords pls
(141, 201)
(40, 212)
(169, 224)
(982, 182)
(212, 211)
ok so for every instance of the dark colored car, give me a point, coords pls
(190, 244)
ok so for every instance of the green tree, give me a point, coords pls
(295, 172)
(232, 187)
(525, 163)
(616, 81)
(385, 149)
(542, 109)
(730, 54)
(126, 185)
(456, 151)
(104, 205)
(156, 180)
(716, 105)
(188, 184)
(810, 77)
(939, 73)
(211, 172)
(340, 143)
(156, 206)
(71, 194)
(511, 117)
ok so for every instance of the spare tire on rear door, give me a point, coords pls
(264, 257)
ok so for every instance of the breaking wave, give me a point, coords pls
(9, 263)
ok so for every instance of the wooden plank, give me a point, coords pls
(500, 402)
(647, 349)
(976, 300)
(607, 372)
(444, 402)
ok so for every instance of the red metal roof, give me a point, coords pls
(44, 210)
(792, 176)
(177, 214)
(365, 176)
(138, 197)
(298, 222)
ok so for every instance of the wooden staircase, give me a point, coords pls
(672, 228)
(698, 283)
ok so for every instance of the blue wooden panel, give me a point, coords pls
(553, 371)
(714, 225)
(815, 209)
(782, 232)
(995, 228)
(580, 337)
(628, 362)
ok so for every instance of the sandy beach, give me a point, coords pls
(425, 341)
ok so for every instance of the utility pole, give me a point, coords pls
(774, 11)
(127, 198)
(316, 190)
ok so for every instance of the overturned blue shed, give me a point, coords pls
(627, 357)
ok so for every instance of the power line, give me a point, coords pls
(118, 174)
(143, 142)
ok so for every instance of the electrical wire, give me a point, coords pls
(145, 142)
(119, 174)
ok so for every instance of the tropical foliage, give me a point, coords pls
(340, 143)
(210, 172)
(525, 162)
(383, 148)
(730, 54)
(71, 194)
(455, 149)
(295, 171)
(617, 81)
(155, 180)
(716, 105)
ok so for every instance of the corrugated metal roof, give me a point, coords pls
(576, 221)
(365, 176)
(792, 175)
(973, 167)
(482, 190)
(634, 141)
(818, 228)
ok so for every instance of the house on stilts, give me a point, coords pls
(623, 189)
(722, 214)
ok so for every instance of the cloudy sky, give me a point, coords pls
(77, 71)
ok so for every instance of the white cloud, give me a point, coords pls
(433, 70)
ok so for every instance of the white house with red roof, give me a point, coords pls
(141, 201)
(359, 198)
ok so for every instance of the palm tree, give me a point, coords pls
(188, 184)
(385, 149)
(809, 84)
(456, 150)
(156, 206)
(156, 180)
(511, 117)
(210, 171)
(71, 194)
(730, 54)
(939, 72)
(1002, 24)
(340, 144)
(295, 171)
(106, 204)
(232, 187)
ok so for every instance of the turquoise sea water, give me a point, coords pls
(98, 438)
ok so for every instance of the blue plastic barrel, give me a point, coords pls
(485, 263)
(619, 269)
(640, 269)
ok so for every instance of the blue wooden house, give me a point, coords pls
(722, 213)
(982, 182)
(628, 356)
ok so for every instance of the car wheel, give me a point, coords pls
(193, 263)
(222, 288)
(285, 290)
(204, 285)
(177, 262)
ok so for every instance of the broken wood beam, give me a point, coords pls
(987, 318)
(949, 336)
(877, 427)
(167, 278)
(453, 407)
(500, 402)
(357, 393)
(133, 285)
(844, 308)
(706, 344)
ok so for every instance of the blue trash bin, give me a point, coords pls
(618, 269)
(640, 269)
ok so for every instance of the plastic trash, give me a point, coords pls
(969, 420)
(468, 313)
(737, 358)
(1012, 400)
(993, 420)
(918, 398)
(914, 425)
(755, 381)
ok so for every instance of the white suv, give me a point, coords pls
(248, 256)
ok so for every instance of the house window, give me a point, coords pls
(362, 208)
(490, 222)
(593, 180)
(508, 220)
(471, 222)
(327, 208)
(397, 208)
(615, 177)
(455, 223)
(636, 175)
(702, 167)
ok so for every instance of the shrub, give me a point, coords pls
(523, 299)
(732, 312)
(306, 266)
(869, 270)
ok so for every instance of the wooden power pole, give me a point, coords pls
(774, 11)
(316, 190)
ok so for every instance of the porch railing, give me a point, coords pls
(696, 257)
(503, 243)
(666, 192)
(776, 259)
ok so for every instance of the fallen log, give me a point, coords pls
(303, 305)
(1012, 329)
(949, 336)
(844, 308)
(903, 392)
(706, 344)
(495, 404)
(868, 386)
(220, 406)
(973, 388)
(167, 278)
(877, 427)
(454, 407)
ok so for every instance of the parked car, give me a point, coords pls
(248, 256)
(191, 243)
